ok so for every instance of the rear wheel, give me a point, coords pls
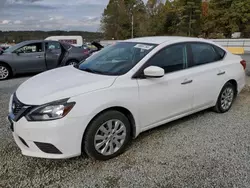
(226, 98)
(4, 72)
(72, 62)
(107, 135)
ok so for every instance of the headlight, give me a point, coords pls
(10, 103)
(50, 111)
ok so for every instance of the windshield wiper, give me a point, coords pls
(88, 70)
(92, 71)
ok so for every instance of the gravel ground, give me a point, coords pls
(202, 150)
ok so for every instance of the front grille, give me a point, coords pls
(16, 106)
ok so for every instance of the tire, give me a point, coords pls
(223, 105)
(72, 62)
(5, 72)
(97, 144)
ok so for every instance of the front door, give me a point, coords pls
(30, 58)
(170, 96)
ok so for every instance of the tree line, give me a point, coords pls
(19, 36)
(198, 18)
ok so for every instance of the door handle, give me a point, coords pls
(39, 56)
(187, 82)
(221, 73)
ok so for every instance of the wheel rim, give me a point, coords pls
(4, 73)
(73, 63)
(110, 137)
(227, 98)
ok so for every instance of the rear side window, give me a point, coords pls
(205, 53)
(221, 52)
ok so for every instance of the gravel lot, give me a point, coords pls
(203, 150)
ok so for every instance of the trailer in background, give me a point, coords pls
(73, 40)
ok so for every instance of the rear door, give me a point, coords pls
(208, 77)
(53, 54)
(30, 58)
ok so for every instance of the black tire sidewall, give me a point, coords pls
(218, 105)
(88, 139)
(2, 65)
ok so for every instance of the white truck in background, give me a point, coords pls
(73, 40)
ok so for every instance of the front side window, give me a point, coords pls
(172, 58)
(204, 53)
(116, 59)
(31, 48)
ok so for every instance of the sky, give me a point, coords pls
(83, 15)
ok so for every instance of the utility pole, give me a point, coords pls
(190, 24)
(132, 21)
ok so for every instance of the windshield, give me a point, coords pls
(9, 49)
(15, 47)
(116, 59)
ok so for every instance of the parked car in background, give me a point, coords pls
(4, 47)
(92, 48)
(86, 49)
(37, 56)
(123, 90)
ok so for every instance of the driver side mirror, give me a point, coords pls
(17, 52)
(154, 72)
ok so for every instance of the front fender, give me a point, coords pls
(91, 104)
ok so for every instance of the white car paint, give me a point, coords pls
(152, 102)
(61, 83)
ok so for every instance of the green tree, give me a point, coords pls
(226, 17)
(190, 17)
(156, 17)
(116, 20)
(240, 17)
(172, 18)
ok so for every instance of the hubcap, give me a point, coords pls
(227, 98)
(4, 73)
(110, 137)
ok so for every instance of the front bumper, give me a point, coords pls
(57, 139)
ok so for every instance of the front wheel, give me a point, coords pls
(226, 98)
(107, 135)
(4, 72)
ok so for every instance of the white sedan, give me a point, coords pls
(121, 91)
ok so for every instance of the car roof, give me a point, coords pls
(37, 41)
(162, 39)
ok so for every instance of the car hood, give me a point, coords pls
(60, 83)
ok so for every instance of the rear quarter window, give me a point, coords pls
(220, 52)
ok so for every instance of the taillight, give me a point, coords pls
(86, 52)
(244, 64)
